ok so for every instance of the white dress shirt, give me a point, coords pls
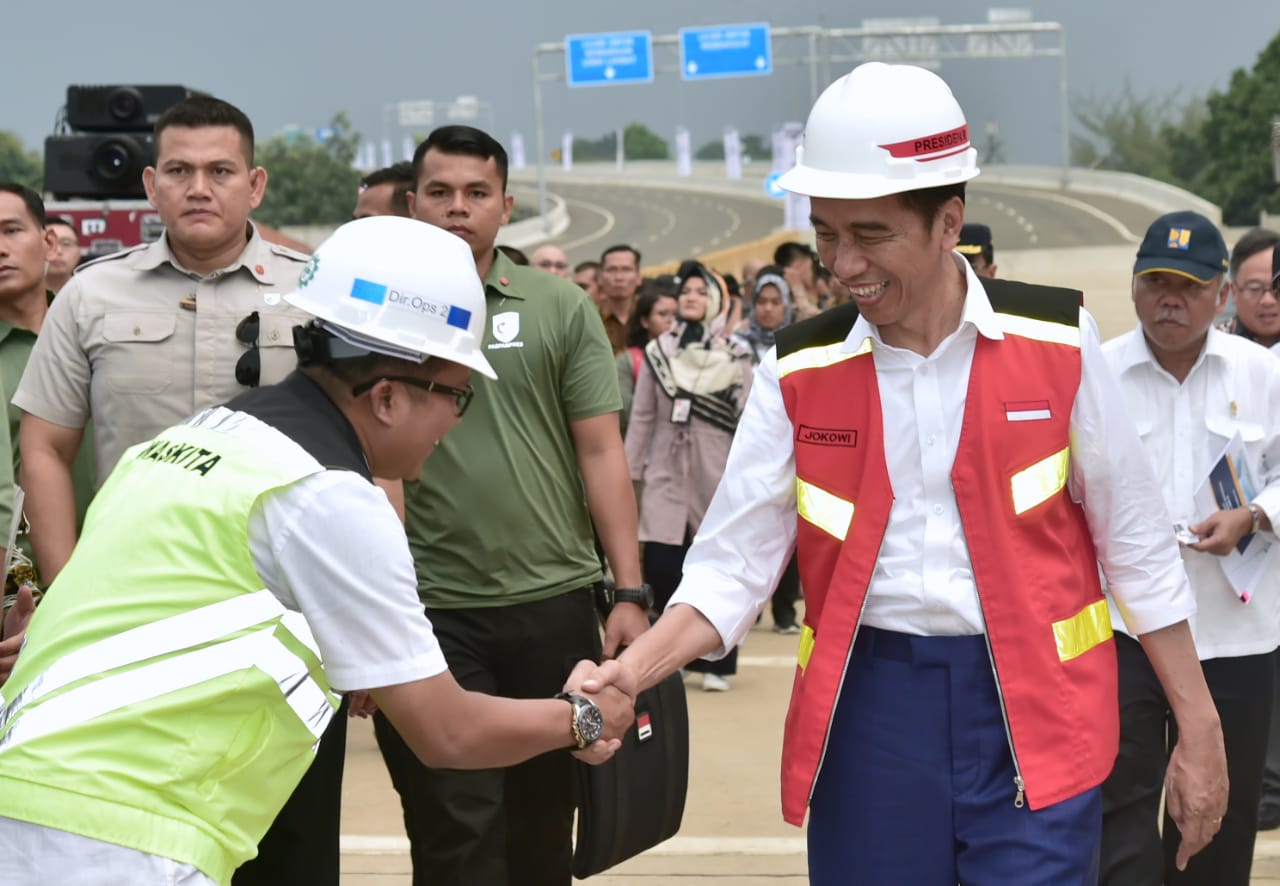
(1234, 386)
(331, 547)
(923, 581)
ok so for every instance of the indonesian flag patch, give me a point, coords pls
(1028, 410)
(644, 726)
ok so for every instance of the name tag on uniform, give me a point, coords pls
(680, 410)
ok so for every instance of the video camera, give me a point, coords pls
(109, 140)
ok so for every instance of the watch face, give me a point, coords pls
(590, 723)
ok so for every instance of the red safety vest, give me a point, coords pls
(1032, 554)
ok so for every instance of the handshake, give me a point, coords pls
(602, 698)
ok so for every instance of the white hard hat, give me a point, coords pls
(399, 287)
(882, 129)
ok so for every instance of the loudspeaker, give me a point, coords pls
(120, 108)
(94, 165)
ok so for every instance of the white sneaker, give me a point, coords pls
(714, 683)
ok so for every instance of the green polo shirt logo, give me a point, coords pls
(506, 326)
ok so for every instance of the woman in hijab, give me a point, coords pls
(771, 309)
(688, 397)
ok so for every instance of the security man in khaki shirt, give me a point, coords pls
(140, 340)
(143, 338)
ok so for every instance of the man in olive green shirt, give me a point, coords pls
(26, 243)
(500, 527)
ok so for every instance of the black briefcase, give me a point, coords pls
(636, 800)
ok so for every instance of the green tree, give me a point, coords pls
(639, 142)
(17, 164)
(605, 148)
(753, 147)
(712, 150)
(1128, 132)
(310, 183)
(1228, 157)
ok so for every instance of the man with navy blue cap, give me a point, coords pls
(975, 245)
(1190, 389)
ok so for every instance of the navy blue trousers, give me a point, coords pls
(917, 785)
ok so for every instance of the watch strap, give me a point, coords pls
(576, 704)
(641, 596)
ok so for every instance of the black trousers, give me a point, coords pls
(302, 844)
(1133, 852)
(499, 827)
(783, 602)
(1271, 774)
(663, 565)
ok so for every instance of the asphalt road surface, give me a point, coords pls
(673, 219)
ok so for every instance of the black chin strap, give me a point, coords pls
(314, 344)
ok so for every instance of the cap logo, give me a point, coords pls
(1180, 238)
(374, 293)
(931, 147)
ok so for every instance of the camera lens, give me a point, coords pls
(112, 160)
(123, 104)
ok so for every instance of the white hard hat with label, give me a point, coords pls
(882, 129)
(399, 287)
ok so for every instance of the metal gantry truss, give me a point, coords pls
(820, 48)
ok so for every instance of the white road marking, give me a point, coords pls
(767, 661)
(737, 222)
(1109, 220)
(610, 221)
(362, 844)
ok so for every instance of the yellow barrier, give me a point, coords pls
(731, 259)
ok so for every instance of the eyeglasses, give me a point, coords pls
(547, 264)
(461, 396)
(1255, 289)
(249, 366)
(67, 243)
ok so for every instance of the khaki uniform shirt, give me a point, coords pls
(140, 343)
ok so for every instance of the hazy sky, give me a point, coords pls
(293, 63)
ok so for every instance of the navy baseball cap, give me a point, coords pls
(975, 239)
(1184, 243)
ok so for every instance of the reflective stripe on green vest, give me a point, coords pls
(165, 701)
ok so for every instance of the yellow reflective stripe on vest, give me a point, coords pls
(828, 512)
(807, 638)
(1041, 481)
(1040, 330)
(1081, 632)
(260, 649)
(819, 357)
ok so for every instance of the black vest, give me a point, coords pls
(300, 409)
(1050, 303)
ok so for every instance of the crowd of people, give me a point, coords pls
(1024, 632)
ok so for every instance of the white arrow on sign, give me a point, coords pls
(692, 67)
(609, 73)
(760, 62)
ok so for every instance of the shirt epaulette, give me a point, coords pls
(111, 256)
(286, 252)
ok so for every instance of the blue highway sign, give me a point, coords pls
(609, 58)
(725, 51)
(771, 186)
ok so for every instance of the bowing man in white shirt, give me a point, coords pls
(949, 459)
(1190, 389)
